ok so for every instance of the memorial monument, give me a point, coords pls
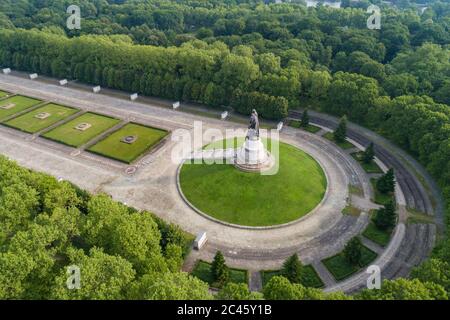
(253, 156)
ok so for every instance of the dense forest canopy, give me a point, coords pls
(251, 54)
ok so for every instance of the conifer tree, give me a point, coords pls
(386, 183)
(368, 154)
(292, 269)
(353, 251)
(305, 118)
(386, 217)
(219, 270)
(341, 131)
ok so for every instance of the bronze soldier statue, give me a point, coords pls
(254, 125)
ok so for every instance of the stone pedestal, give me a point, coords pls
(253, 156)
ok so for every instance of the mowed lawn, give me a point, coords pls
(67, 134)
(251, 199)
(113, 147)
(21, 103)
(340, 268)
(29, 123)
(3, 94)
(202, 270)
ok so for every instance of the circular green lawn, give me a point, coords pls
(252, 199)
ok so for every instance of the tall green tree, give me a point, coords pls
(341, 131)
(353, 251)
(305, 118)
(237, 291)
(386, 217)
(386, 183)
(368, 154)
(292, 269)
(219, 270)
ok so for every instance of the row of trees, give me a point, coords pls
(46, 226)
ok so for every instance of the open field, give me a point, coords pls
(3, 94)
(113, 147)
(21, 103)
(252, 199)
(29, 123)
(68, 133)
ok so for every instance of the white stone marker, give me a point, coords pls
(96, 89)
(7, 71)
(134, 96)
(63, 82)
(224, 115)
(280, 126)
(33, 76)
(176, 105)
(200, 240)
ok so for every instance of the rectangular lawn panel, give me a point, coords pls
(3, 94)
(370, 167)
(340, 268)
(113, 147)
(29, 123)
(202, 271)
(311, 128)
(298, 124)
(310, 277)
(378, 236)
(21, 103)
(380, 198)
(343, 145)
(69, 135)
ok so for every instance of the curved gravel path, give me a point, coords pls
(153, 187)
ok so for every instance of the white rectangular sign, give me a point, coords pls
(63, 82)
(200, 240)
(176, 105)
(279, 126)
(7, 71)
(224, 115)
(33, 76)
(96, 89)
(134, 96)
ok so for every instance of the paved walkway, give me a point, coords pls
(153, 187)
(324, 274)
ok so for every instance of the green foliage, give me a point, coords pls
(434, 271)
(386, 183)
(341, 131)
(386, 217)
(246, 48)
(219, 270)
(353, 251)
(102, 277)
(305, 119)
(403, 289)
(368, 154)
(279, 288)
(169, 286)
(292, 269)
(237, 291)
(47, 226)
